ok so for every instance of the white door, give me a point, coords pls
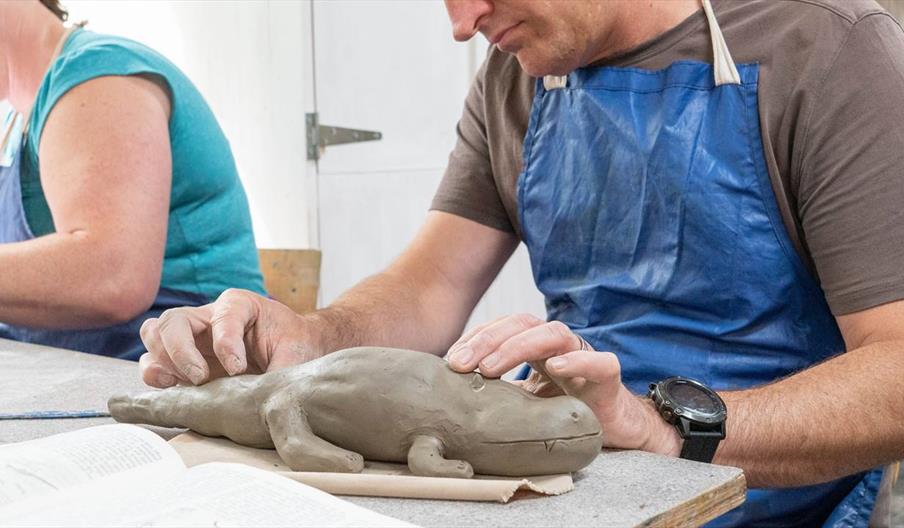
(392, 67)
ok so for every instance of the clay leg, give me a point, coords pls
(425, 458)
(298, 446)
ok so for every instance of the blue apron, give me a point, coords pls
(121, 340)
(653, 233)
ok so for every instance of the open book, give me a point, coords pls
(123, 475)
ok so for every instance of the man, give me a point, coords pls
(711, 194)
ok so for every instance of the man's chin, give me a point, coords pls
(540, 67)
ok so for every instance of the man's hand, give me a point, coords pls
(241, 332)
(562, 357)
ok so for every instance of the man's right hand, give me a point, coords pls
(241, 332)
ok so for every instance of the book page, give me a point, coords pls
(238, 495)
(31, 470)
(204, 496)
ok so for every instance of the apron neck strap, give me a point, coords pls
(725, 71)
(7, 133)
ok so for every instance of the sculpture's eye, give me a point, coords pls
(478, 383)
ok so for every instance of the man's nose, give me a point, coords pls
(466, 15)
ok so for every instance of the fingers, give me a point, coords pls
(540, 342)
(472, 332)
(595, 377)
(157, 373)
(156, 367)
(508, 343)
(596, 367)
(222, 338)
(230, 316)
(627, 422)
(485, 341)
(177, 329)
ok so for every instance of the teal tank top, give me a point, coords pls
(209, 242)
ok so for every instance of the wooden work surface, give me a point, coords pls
(620, 488)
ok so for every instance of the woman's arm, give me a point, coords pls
(106, 171)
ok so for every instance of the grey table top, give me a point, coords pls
(621, 488)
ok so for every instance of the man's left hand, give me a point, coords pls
(560, 356)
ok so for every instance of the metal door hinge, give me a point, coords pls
(320, 136)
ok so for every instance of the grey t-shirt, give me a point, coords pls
(831, 104)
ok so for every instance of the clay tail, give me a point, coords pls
(166, 408)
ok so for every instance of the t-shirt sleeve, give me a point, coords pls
(851, 186)
(468, 188)
(80, 63)
(99, 59)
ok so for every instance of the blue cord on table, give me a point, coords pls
(53, 415)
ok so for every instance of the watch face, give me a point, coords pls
(687, 395)
(699, 401)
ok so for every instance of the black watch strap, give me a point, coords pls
(701, 448)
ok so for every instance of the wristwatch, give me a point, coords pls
(695, 410)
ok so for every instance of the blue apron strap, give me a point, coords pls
(856, 508)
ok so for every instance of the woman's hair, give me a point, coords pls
(56, 8)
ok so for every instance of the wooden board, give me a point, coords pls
(292, 276)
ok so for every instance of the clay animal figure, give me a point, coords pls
(386, 405)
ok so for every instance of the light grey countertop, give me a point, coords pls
(620, 488)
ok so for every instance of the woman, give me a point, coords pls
(119, 197)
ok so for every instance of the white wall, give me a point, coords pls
(251, 60)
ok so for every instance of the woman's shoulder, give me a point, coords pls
(88, 54)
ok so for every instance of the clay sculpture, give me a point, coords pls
(382, 404)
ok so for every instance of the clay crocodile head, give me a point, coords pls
(512, 427)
